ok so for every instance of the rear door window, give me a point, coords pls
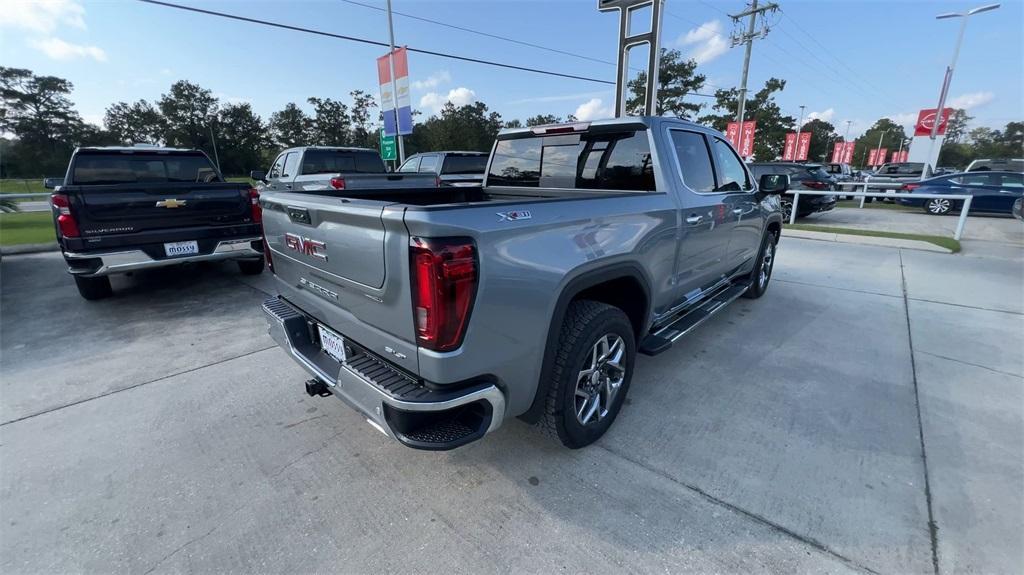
(1015, 181)
(694, 160)
(341, 162)
(464, 165)
(428, 163)
(109, 169)
(601, 161)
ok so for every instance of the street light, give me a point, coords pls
(949, 70)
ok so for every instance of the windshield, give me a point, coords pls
(342, 162)
(114, 168)
(464, 165)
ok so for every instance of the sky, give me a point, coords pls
(844, 60)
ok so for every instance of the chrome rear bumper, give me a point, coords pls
(132, 260)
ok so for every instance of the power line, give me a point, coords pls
(827, 51)
(479, 33)
(373, 42)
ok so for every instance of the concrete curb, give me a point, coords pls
(28, 249)
(866, 240)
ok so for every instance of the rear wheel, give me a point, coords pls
(251, 267)
(94, 288)
(593, 368)
(762, 272)
(938, 206)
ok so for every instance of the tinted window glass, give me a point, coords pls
(291, 165)
(142, 168)
(275, 171)
(428, 164)
(464, 165)
(1012, 180)
(410, 165)
(341, 161)
(976, 179)
(611, 161)
(731, 174)
(694, 160)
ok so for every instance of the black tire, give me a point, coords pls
(251, 267)
(94, 288)
(938, 206)
(787, 209)
(757, 286)
(586, 323)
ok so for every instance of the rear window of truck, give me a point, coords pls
(461, 165)
(341, 162)
(105, 169)
(602, 161)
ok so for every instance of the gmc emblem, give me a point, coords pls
(306, 246)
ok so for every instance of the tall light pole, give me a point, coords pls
(799, 125)
(846, 136)
(949, 71)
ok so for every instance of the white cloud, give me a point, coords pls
(166, 71)
(60, 50)
(94, 119)
(434, 80)
(825, 116)
(229, 99)
(972, 100)
(593, 109)
(706, 41)
(41, 15)
(460, 96)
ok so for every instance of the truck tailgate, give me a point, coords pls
(345, 261)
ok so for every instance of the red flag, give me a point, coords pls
(926, 119)
(732, 134)
(848, 152)
(881, 155)
(747, 139)
(871, 156)
(803, 145)
(789, 150)
(837, 152)
(904, 155)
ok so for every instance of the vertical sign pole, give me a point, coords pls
(654, 59)
(626, 41)
(394, 89)
(622, 77)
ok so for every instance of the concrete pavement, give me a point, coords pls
(159, 431)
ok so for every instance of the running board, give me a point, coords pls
(662, 338)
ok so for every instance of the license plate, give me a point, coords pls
(181, 248)
(332, 343)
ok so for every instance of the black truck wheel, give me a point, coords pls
(251, 267)
(765, 263)
(591, 375)
(94, 288)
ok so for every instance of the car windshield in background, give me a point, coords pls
(817, 171)
(102, 169)
(464, 165)
(608, 161)
(341, 162)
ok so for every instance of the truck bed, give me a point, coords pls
(428, 197)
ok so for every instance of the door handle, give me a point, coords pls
(737, 211)
(694, 219)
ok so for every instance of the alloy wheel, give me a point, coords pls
(766, 264)
(939, 205)
(600, 379)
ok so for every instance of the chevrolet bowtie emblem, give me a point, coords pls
(171, 203)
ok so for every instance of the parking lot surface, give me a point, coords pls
(866, 415)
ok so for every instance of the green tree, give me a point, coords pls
(823, 135)
(513, 124)
(331, 124)
(772, 124)
(363, 133)
(956, 127)
(468, 127)
(890, 133)
(957, 155)
(242, 139)
(290, 127)
(134, 123)
(541, 119)
(677, 78)
(189, 111)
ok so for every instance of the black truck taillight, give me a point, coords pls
(66, 223)
(254, 201)
(444, 279)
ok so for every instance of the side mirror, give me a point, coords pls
(258, 175)
(52, 183)
(773, 184)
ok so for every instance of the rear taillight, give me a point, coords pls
(338, 183)
(437, 181)
(66, 223)
(910, 187)
(815, 185)
(444, 279)
(254, 200)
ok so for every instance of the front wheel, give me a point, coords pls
(593, 368)
(787, 209)
(938, 206)
(762, 272)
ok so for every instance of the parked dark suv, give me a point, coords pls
(811, 177)
(453, 168)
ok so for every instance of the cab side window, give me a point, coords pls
(291, 165)
(732, 176)
(276, 169)
(694, 161)
(410, 165)
(428, 164)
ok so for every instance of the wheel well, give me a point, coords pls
(775, 228)
(625, 293)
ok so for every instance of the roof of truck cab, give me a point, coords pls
(635, 121)
(330, 149)
(131, 149)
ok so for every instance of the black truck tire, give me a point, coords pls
(763, 266)
(251, 267)
(587, 324)
(94, 288)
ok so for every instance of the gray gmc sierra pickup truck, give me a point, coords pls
(437, 313)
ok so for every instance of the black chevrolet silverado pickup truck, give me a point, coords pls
(121, 209)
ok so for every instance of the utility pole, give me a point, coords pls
(799, 125)
(394, 90)
(846, 137)
(748, 39)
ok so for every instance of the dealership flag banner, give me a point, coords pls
(871, 156)
(803, 146)
(837, 153)
(848, 152)
(881, 155)
(732, 133)
(388, 101)
(746, 146)
(904, 155)
(790, 148)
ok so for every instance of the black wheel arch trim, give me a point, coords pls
(573, 288)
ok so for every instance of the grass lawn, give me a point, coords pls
(941, 241)
(26, 228)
